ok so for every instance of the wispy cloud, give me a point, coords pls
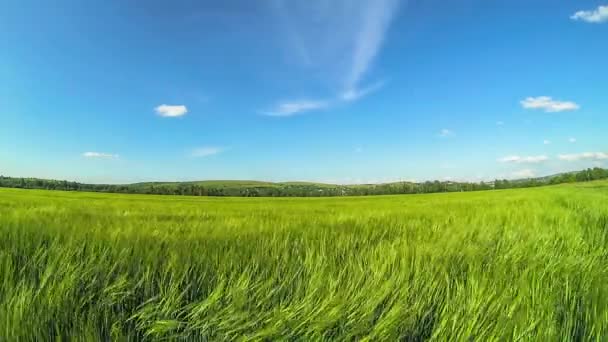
(572, 140)
(206, 151)
(171, 110)
(584, 156)
(100, 155)
(446, 133)
(295, 107)
(525, 173)
(354, 94)
(500, 123)
(522, 160)
(290, 108)
(596, 16)
(341, 38)
(377, 16)
(546, 142)
(548, 104)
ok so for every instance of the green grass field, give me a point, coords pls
(528, 264)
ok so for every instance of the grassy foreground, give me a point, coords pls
(528, 264)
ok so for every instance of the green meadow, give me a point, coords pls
(524, 264)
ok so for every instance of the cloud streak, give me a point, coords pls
(355, 94)
(524, 160)
(341, 38)
(599, 15)
(295, 107)
(548, 104)
(584, 156)
(206, 151)
(378, 16)
(171, 111)
(291, 108)
(99, 155)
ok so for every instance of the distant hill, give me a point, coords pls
(248, 188)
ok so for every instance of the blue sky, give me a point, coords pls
(343, 91)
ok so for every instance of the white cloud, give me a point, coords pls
(526, 173)
(548, 104)
(584, 156)
(547, 142)
(522, 160)
(445, 133)
(290, 108)
(596, 16)
(171, 110)
(572, 140)
(206, 151)
(100, 155)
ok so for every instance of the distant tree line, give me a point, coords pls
(300, 190)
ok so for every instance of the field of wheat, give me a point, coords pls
(529, 264)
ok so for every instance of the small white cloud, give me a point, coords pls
(522, 160)
(526, 173)
(584, 156)
(499, 123)
(446, 133)
(290, 108)
(549, 105)
(171, 111)
(100, 155)
(572, 140)
(547, 142)
(206, 151)
(596, 16)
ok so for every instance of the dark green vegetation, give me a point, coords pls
(298, 189)
(526, 264)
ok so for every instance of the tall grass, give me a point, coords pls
(503, 265)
